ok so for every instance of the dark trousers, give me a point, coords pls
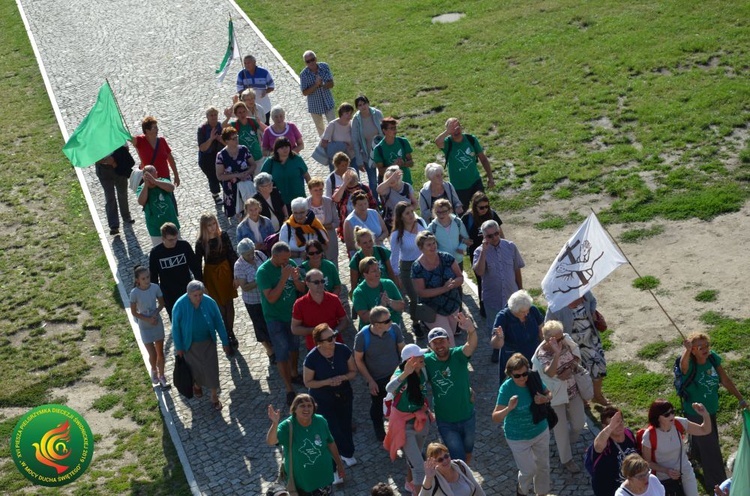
(465, 194)
(213, 182)
(115, 189)
(336, 408)
(706, 450)
(376, 408)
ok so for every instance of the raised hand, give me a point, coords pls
(273, 414)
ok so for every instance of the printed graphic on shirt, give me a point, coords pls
(169, 262)
(311, 451)
(466, 158)
(442, 382)
(708, 382)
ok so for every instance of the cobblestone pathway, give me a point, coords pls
(159, 57)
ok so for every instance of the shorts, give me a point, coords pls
(282, 339)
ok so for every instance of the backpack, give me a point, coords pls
(591, 458)
(366, 337)
(472, 142)
(433, 228)
(651, 430)
(682, 381)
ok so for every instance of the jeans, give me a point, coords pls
(114, 185)
(282, 339)
(459, 436)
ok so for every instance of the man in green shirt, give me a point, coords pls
(278, 282)
(393, 150)
(461, 154)
(448, 373)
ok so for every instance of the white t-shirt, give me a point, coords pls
(654, 488)
(668, 446)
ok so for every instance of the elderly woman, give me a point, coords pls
(446, 477)
(195, 322)
(338, 135)
(245, 269)
(307, 430)
(254, 226)
(406, 226)
(288, 170)
(254, 110)
(153, 150)
(235, 168)
(215, 248)
(271, 204)
(342, 197)
(327, 213)
(556, 360)
(365, 130)
(409, 423)
(528, 441)
(449, 231)
(301, 227)
(247, 127)
(437, 280)
(335, 179)
(328, 371)
(210, 142)
(393, 190)
(517, 328)
(363, 216)
(708, 373)
(479, 213)
(436, 188)
(663, 445)
(578, 321)
(639, 481)
(365, 240)
(281, 129)
(314, 253)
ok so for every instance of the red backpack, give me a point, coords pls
(652, 438)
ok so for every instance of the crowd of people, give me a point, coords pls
(291, 229)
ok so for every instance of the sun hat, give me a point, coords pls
(411, 350)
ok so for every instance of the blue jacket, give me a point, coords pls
(182, 321)
(265, 226)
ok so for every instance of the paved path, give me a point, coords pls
(159, 57)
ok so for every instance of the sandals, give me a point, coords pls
(217, 405)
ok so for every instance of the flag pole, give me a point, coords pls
(639, 275)
(119, 111)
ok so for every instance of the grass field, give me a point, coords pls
(61, 322)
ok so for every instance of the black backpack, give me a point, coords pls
(472, 142)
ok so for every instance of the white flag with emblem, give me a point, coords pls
(586, 259)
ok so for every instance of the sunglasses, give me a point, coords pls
(702, 347)
(313, 253)
(668, 413)
(442, 211)
(307, 61)
(317, 282)
(384, 321)
(483, 207)
(329, 339)
(522, 374)
(443, 458)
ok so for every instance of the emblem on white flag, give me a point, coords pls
(586, 259)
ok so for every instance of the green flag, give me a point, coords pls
(233, 52)
(100, 133)
(741, 474)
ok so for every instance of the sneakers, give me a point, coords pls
(349, 461)
(154, 377)
(336, 479)
(218, 200)
(572, 467)
(163, 382)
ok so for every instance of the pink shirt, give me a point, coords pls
(291, 133)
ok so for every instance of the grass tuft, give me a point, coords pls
(707, 296)
(646, 282)
(636, 235)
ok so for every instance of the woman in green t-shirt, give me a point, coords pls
(365, 240)
(307, 444)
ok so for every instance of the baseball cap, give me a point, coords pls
(437, 333)
(411, 350)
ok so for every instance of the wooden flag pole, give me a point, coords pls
(119, 111)
(639, 275)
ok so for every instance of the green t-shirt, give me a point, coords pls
(365, 298)
(705, 386)
(313, 462)
(462, 162)
(382, 255)
(249, 136)
(450, 385)
(267, 277)
(404, 403)
(159, 208)
(329, 270)
(386, 154)
(519, 424)
(288, 177)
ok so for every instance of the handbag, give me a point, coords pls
(584, 383)
(183, 377)
(320, 155)
(599, 322)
